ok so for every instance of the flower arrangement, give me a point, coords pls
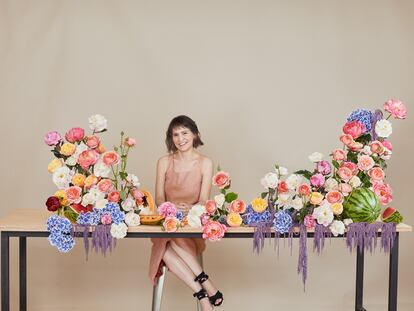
(94, 188)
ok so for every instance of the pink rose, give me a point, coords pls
(387, 145)
(334, 196)
(74, 194)
(317, 180)
(105, 185)
(304, 189)
(396, 108)
(352, 166)
(384, 192)
(93, 141)
(88, 158)
(338, 155)
(106, 219)
(138, 195)
(110, 158)
(344, 188)
(114, 196)
(238, 206)
(346, 139)
(354, 128)
(52, 138)
(309, 222)
(221, 180)
(214, 231)
(365, 163)
(356, 146)
(210, 206)
(282, 187)
(75, 134)
(376, 174)
(130, 142)
(344, 173)
(204, 219)
(171, 224)
(167, 209)
(324, 167)
(376, 147)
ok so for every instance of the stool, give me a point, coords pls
(158, 287)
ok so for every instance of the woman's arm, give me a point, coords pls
(207, 172)
(162, 166)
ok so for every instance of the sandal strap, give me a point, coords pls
(201, 278)
(201, 294)
(217, 296)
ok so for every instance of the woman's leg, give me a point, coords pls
(186, 249)
(177, 266)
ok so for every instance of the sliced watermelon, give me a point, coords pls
(391, 215)
(362, 205)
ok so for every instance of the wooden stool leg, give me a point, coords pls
(157, 291)
(200, 260)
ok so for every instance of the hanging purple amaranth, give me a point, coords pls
(102, 238)
(371, 236)
(82, 231)
(261, 231)
(303, 255)
(355, 236)
(377, 115)
(319, 237)
(388, 233)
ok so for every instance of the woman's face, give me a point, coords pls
(183, 138)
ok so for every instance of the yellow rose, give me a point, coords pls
(67, 149)
(316, 198)
(259, 205)
(90, 181)
(61, 195)
(337, 208)
(234, 220)
(78, 180)
(54, 165)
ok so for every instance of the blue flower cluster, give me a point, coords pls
(282, 222)
(60, 233)
(363, 116)
(252, 217)
(179, 215)
(93, 218)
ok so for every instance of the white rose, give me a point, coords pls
(337, 227)
(297, 203)
(330, 184)
(101, 203)
(132, 219)
(96, 194)
(62, 177)
(293, 181)
(219, 199)
(348, 221)
(323, 214)
(282, 171)
(355, 182)
(133, 180)
(97, 123)
(197, 210)
(72, 160)
(88, 199)
(383, 128)
(270, 180)
(119, 231)
(194, 221)
(101, 170)
(128, 204)
(316, 157)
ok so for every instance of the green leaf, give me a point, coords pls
(364, 139)
(70, 214)
(218, 168)
(223, 191)
(116, 148)
(56, 153)
(230, 197)
(307, 174)
(335, 164)
(123, 195)
(123, 175)
(353, 156)
(264, 194)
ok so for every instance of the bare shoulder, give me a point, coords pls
(163, 162)
(206, 162)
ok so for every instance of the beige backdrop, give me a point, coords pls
(267, 81)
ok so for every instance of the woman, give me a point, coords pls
(184, 178)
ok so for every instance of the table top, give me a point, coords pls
(34, 220)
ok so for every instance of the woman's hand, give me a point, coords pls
(184, 207)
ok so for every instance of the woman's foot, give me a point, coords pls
(215, 296)
(202, 296)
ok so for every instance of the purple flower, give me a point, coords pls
(324, 167)
(52, 138)
(317, 180)
(362, 115)
(167, 209)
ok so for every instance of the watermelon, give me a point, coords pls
(391, 215)
(362, 205)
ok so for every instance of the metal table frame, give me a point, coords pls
(23, 235)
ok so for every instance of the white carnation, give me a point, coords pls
(62, 177)
(101, 169)
(355, 182)
(383, 128)
(337, 227)
(128, 204)
(133, 180)
(132, 219)
(101, 203)
(293, 181)
(219, 199)
(316, 157)
(323, 214)
(330, 184)
(270, 180)
(119, 231)
(194, 221)
(97, 123)
(197, 210)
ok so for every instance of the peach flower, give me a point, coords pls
(316, 198)
(210, 206)
(304, 189)
(221, 179)
(214, 231)
(338, 155)
(105, 185)
(238, 206)
(93, 141)
(78, 180)
(114, 196)
(344, 188)
(100, 149)
(90, 181)
(376, 174)
(376, 147)
(344, 173)
(334, 196)
(352, 166)
(234, 220)
(88, 158)
(384, 192)
(74, 194)
(171, 224)
(365, 163)
(346, 139)
(111, 158)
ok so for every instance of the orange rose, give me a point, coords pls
(334, 196)
(316, 198)
(170, 224)
(74, 194)
(304, 189)
(221, 180)
(90, 181)
(210, 206)
(238, 206)
(78, 180)
(234, 220)
(110, 158)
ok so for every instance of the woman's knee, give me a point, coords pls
(186, 244)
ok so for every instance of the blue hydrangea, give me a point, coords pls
(179, 215)
(60, 233)
(222, 219)
(282, 222)
(63, 242)
(56, 223)
(362, 115)
(251, 217)
(88, 218)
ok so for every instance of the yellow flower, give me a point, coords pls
(61, 195)
(78, 180)
(90, 181)
(337, 208)
(316, 198)
(259, 205)
(54, 165)
(67, 149)
(234, 220)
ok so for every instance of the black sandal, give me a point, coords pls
(201, 294)
(217, 299)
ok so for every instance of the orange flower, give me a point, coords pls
(234, 220)
(238, 206)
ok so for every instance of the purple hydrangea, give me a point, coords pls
(282, 222)
(362, 115)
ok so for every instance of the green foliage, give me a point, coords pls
(305, 173)
(70, 214)
(230, 197)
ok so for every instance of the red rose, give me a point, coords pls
(282, 187)
(80, 208)
(53, 204)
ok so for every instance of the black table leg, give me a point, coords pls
(22, 273)
(5, 270)
(393, 276)
(359, 295)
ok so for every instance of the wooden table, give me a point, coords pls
(23, 223)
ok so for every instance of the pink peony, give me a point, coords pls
(309, 222)
(324, 167)
(365, 163)
(338, 155)
(93, 141)
(138, 195)
(376, 147)
(74, 194)
(75, 134)
(221, 180)
(352, 166)
(304, 189)
(344, 173)
(354, 128)
(387, 145)
(171, 224)
(110, 158)
(88, 158)
(167, 209)
(114, 196)
(334, 196)
(52, 138)
(396, 108)
(347, 140)
(317, 180)
(376, 174)
(238, 206)
(106, 219)
(344, 188)
(210, 206)
(105, 185)
(384, 192)
(214, 231)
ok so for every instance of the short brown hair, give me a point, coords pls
(183, 121)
